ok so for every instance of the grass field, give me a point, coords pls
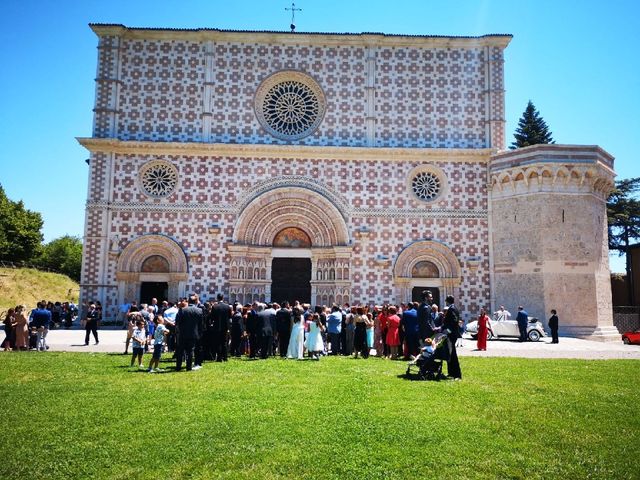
(88, 416)
(28, 286)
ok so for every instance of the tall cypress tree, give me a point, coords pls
(532, 129)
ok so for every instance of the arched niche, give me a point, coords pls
(292, 237)
(155, 264)
(151, 258)
(429, 264)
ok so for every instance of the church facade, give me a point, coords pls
(346, 168)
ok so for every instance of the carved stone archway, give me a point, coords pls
(410, 260)
(292, 208)
(130, 274)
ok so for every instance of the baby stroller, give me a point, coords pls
(429, 365)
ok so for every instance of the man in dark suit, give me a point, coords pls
(266, 320)
(189, 321)
(284, 320)
(553, 326)
(220, 323)
(523, 319)
(451, 327)
(252, 331)
(425, 319)
(411, 329)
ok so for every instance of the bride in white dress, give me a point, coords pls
(296, 341)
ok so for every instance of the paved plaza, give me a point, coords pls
(112, 341)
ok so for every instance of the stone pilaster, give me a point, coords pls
(108, 83)
(370, 92)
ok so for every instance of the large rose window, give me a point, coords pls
(289, 105)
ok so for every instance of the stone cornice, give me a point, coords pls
(300, 38)
(298, 152)
(558, 154)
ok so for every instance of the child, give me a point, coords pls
(131, 326)
(139, 340)
(314, 343)
(425, 352)
(158, 339)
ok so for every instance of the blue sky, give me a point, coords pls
(577, 60)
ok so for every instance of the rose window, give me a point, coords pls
(426, 185)
(289, 105)
(159, 178)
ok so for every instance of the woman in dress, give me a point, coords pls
(483, 327)
(9, 325)
(349, 328)
(370, 332)
(296, 340)
(393, 335)
(21, 328)
(360, 321)
(314, 343)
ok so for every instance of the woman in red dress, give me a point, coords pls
(483, 327)
(393, 337)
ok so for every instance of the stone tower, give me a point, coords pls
(549, 235)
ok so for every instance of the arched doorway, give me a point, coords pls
(291, 275)
(427, 271)
(151, 266)
(297, 235)
(426, 265)
(157, 290)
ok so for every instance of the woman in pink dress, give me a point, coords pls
(393, 337)
(483, 327)
(22, 328)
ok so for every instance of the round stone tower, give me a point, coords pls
(548, 222)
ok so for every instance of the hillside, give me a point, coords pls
(27, 286)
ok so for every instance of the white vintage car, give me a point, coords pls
(508, 328)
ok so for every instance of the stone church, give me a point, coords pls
(347, 168)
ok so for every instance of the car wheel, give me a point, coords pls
(534, 335)
(626, 341)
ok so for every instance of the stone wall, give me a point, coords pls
(433, 92)
(549, 235)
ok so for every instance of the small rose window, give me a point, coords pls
(427, 182)
(426, 185)
(158, 178)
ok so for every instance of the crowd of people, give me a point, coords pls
(25, 331)
(196, 332)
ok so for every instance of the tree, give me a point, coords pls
(20, 235)
(64, 255)
(623, 216)
(532, 129)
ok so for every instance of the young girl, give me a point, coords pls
(158, 340)
(139, 339)
(314, 339)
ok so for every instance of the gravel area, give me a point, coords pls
(112, 341)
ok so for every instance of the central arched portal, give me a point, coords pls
(291, 266)
(290, 243)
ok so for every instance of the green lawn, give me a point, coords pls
(87, 416)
